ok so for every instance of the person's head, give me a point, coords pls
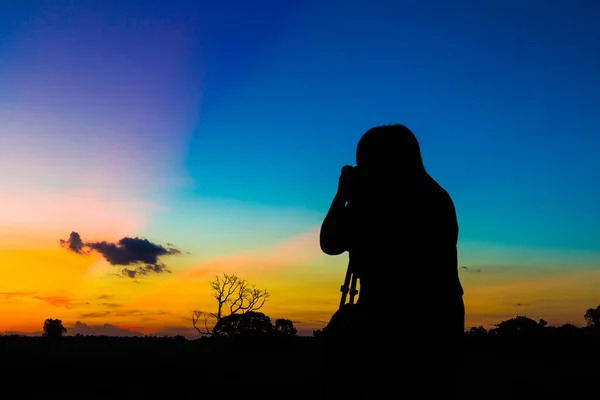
(390, 149)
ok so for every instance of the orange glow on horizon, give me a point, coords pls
(40, 283)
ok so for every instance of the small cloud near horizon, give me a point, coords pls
(470, 269)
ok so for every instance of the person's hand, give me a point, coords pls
(345, 183)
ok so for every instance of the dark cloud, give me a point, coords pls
(100, 314)
(143, 255)
(112, 305)
(10, 333)
(121, 313)
(470, 269)
(100, 330)
(144, 270)
(129, 313)
(74, 243)
(113, 330)
(130, 251)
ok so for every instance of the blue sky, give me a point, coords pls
(502, 97)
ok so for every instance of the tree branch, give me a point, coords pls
(196, 317)
(237, 294)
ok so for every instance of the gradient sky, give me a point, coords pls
(221, 127)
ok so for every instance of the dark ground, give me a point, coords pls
(131, 368)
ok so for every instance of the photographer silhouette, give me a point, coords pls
(400, 230)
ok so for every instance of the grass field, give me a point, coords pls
(131, 368)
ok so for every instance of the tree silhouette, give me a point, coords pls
(592, 317)
(285, 327)
(477, 331)
(519, 326)
(234, 296)
(250, 323)
(53, 328)
(566, 330)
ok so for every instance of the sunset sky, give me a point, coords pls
(219, 128)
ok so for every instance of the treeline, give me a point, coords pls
(522, 326)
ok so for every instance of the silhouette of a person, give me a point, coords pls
(400, 229)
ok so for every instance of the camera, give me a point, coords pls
(354, 178)
(350, 174)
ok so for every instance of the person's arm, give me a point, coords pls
(334, 230)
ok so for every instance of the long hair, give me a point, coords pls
(390, 149)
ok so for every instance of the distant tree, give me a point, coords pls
(285, 327)
(250, 323)
(519, 326)
(53, 328)
(234, 296)
(592, 317)
(567, 329)
(478, 331)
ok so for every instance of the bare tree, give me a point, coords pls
(233, 296)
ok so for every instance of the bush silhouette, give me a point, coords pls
(54, 328)
(247, 324)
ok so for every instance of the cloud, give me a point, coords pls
(120, 313)
(112, 305)
(100, 330)
(10, 333)
(144, 270)
(131, 251)
(140, 313)
(57, 301)
(469, 269)
(522, 304)
(99, 314)
(113, 330)
(11, 295)
(140, 253)
(74, 243)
